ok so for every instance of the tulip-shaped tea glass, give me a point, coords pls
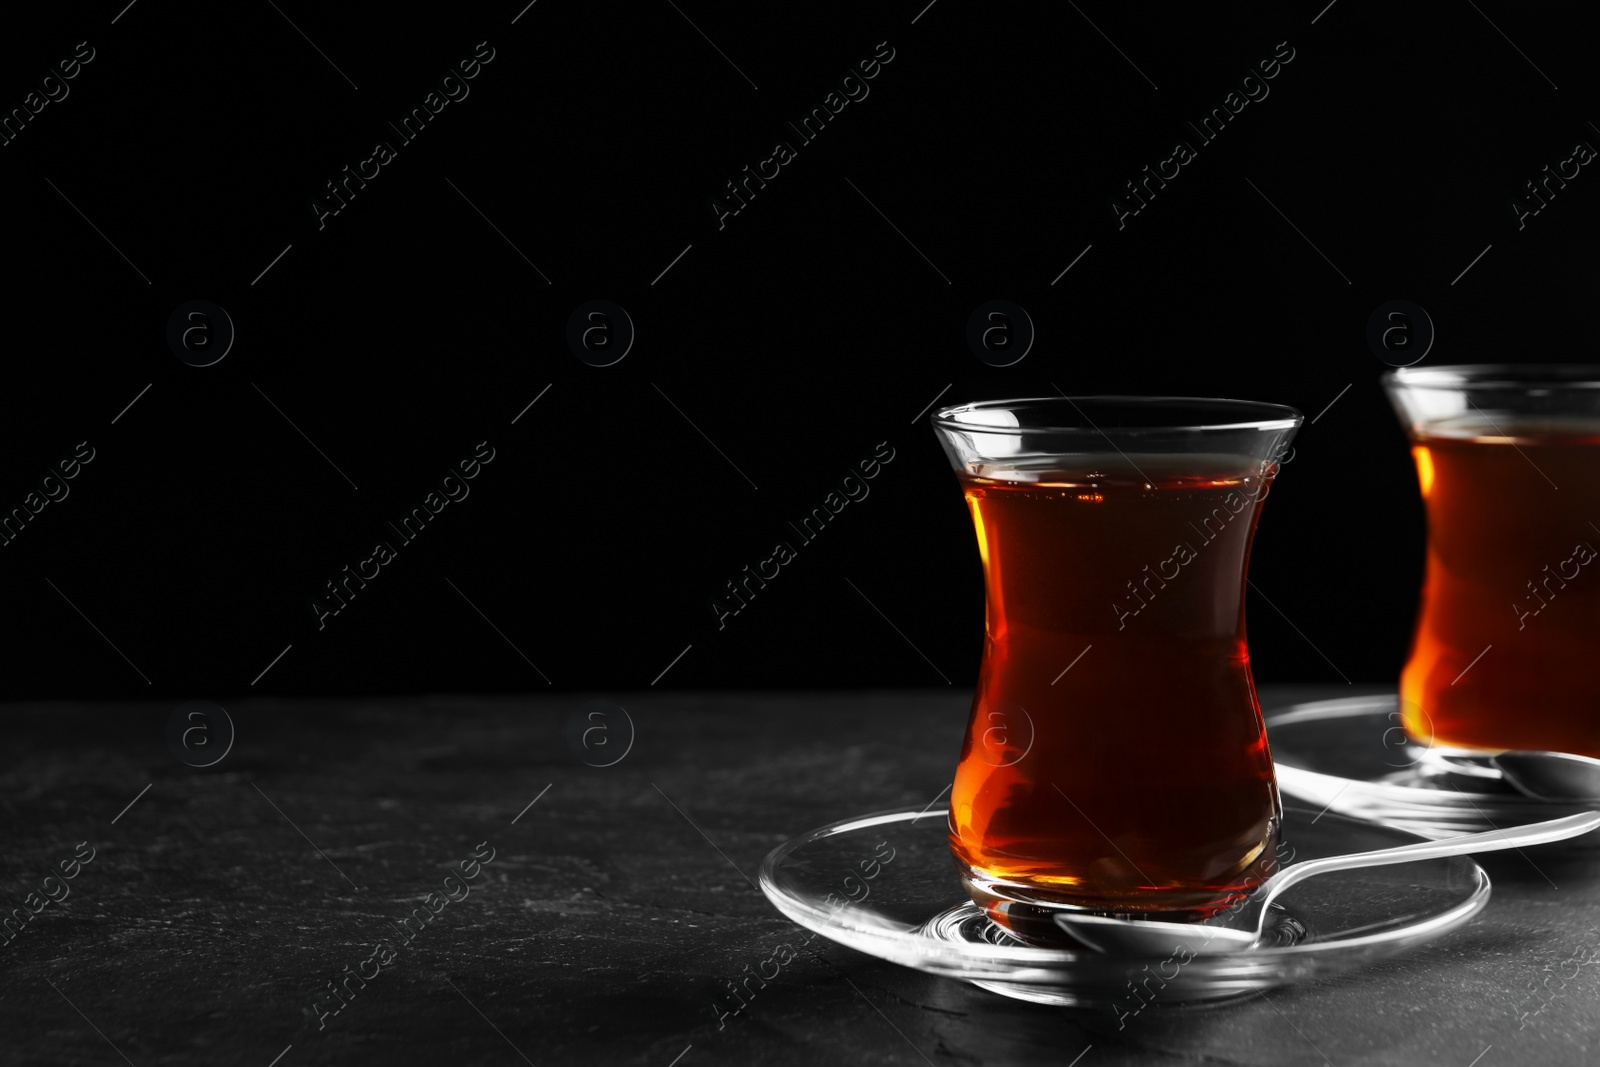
(1508, 460)
(1115, 760)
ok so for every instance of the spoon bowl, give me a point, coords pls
(1552, 776)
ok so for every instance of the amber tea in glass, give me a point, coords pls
(1115, 759)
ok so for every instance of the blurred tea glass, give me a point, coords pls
(1508, 461)
(1115, 759)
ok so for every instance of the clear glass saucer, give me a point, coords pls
(886, 885)
(1351, 756)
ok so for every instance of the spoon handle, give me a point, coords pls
(1511, 837)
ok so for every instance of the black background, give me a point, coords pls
(796, 337)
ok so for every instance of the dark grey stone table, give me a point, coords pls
(603, 923)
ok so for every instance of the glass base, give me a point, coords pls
(1028, 912)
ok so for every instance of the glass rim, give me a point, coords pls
(1496, 376)
(1273, 416)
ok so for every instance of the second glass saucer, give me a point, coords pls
(1351, 756)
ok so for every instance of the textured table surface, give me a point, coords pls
(604, 929)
